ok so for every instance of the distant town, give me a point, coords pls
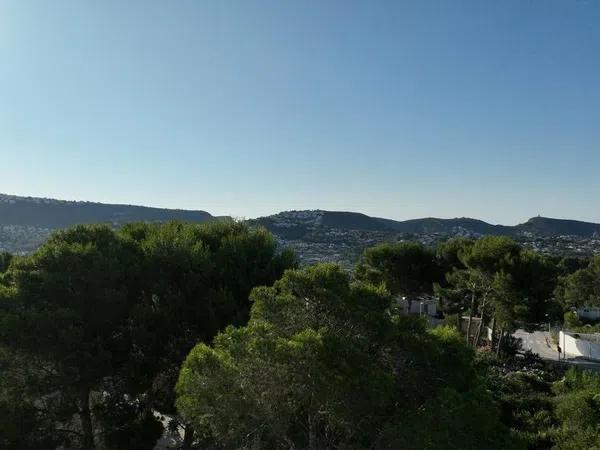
(315, 235)
(344, 246)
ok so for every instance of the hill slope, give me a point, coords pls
(50, 213)
(317, 235)
(297, 223)
(447, 226)
(544, 226)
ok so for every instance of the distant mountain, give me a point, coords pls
(53, 214)
(447, 226)
(544, 226)
(295, 224)
(298, 224)
(341, 237)
(352, 220)
(26, 222)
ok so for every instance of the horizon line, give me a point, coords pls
(288, 210)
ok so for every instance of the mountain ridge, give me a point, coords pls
(52, 214)
(543, 226)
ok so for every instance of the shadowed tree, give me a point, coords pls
(475, 279)
(197, 280)
(450, 253)
(406, 269)
(582, 287)
(68, 317)
(5, 259)
(98, 323)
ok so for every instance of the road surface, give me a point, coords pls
(540, 343)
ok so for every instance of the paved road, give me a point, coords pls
(539, 342)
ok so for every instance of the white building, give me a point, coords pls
(425, 306)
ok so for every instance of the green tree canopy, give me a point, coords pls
(451, 253)
(95, 324)
(5, 259)
(491, 254)
(67, 316)
(322, 364)
(196, 280)
(582, 287)
(407, 268)
(497, 279)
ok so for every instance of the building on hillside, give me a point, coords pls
(425, 306)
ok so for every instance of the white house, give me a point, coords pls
(425, 306)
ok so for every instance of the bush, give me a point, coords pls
(572, 321)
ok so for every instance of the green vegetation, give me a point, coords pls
(577, 408)
(53, 214)
(322, 364)
(582, 287)
(546, 407)
(95, 324)
(500, 282)
(104, 332)
(5, 259)
(406, 269)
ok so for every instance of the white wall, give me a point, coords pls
(579, 347)
(417, 306)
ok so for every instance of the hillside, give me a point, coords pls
(297, 223)
(300, 224)
(463, 225)
(544, 226)
(340, 237)
(317, 235)
(26, 222)
(50, 213)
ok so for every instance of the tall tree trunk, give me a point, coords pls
(86, 419)
(477, 336)
(500, 341)
(478, 333)
(492, 341)
(470, 318)
(312, 433)
(188, 437)
(256, 441)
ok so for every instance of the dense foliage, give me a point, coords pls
(494, 278)
(406, 269)
(582, 287)
(545, 406)
(322, 364)
(577, 407)
(96, 324)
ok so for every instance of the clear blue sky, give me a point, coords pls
(489, 109)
